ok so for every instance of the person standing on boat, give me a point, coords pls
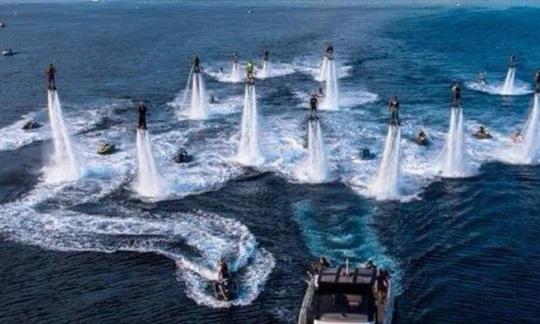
(382, 285)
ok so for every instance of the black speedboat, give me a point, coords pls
(345, 295)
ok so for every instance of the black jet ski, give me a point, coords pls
(225, 290)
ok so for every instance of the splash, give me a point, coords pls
(236, 75)
(199, 100)
(149, 181)
(331, 91)
(531, 133)
(249, 152)
(62, 165)
(386, 184)
(324, 70)
(265, 70)
(315, 165)
(454, 164)
(508, 87)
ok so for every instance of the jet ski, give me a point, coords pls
(421, 139)
(7, 52)
(225, 290)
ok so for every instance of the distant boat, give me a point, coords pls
(2, 25)
(7, 52)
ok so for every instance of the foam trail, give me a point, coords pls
(324, 69)
(265, 70)
(454, 164)
(199, 100)
(331, 91)
(249, 152)
(149, 181)
(508, 88)
(181, 104)
(62, 165)
(385, 185)
(316, 163)
(235, 73)
(531, 133)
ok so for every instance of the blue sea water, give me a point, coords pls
(460, 250)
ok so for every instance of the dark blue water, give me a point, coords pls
(460, 250)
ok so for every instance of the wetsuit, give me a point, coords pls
(235, 57)
(456, 96)
(537, 81)
(196, 65)
(330, 51)
(313, 102)
(394, 108)
(142, 116)
(513, 61)
(266, 56)
(249, 70)
(51, 71)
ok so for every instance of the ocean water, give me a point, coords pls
(92, 250)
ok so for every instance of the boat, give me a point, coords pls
(343, 295)
(7, 52)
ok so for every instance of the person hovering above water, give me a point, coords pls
(51, 71)
(142, 116)
(266, 56)
(513, 61)
(249, 71)
(482, 78)
(330, 51)
(196, 64)
(235, 57)
(394, 108)
(313, 102)
(517, 137)
(456, 95)
(537, 81)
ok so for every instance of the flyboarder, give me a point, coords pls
(313, 102)
(196, 64)
(456, 95)
(235, 57)
(51, 71)
(513, 61)
(394, 108)
(249, 71)
(142, 116)
(330, 51)
(266, 56)
(482, 78)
